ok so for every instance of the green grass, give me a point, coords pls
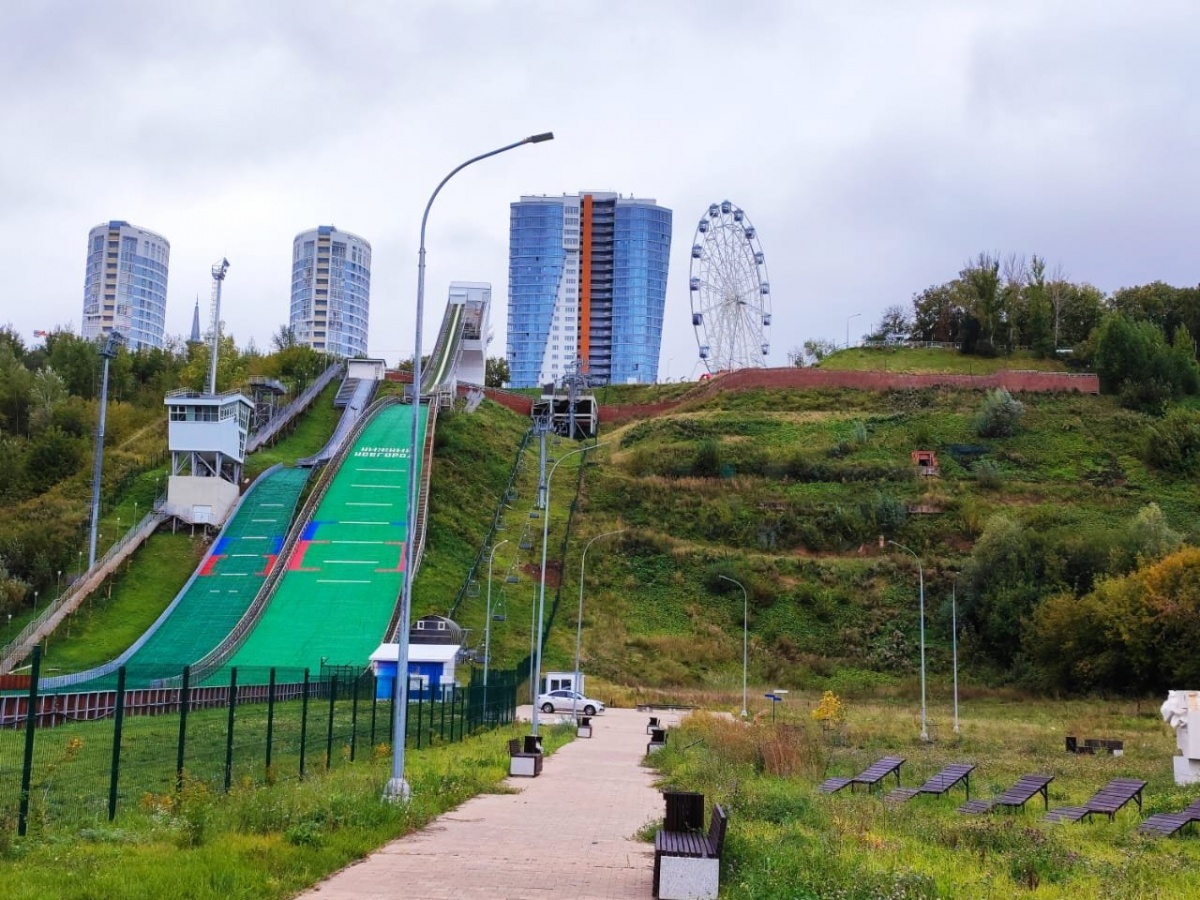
(786, 839)
(311, 432)
(257, 841)
(930, 360)
(120, 610)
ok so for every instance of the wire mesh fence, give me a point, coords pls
(83, 757)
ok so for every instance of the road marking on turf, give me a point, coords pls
(366, 523)
(385, 487)
(273, 505)
(389, 471)
(353, 562)
(366, 503)
(340, 581)
(372, 543)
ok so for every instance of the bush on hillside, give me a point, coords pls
(1173, 444)
(999, 415)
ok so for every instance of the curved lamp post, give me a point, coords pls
(397, 788)
(487, 628)
(536, 674)
(579, 618)
(921, 582)
(745, 632)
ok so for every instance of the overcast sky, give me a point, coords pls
(876, 146)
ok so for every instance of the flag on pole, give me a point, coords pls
(41, 333)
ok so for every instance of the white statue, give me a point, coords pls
(1177, 711)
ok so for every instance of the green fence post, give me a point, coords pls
(303, 721)
(354, 721)
(442, 720)
(374, 704)
(118, 722)
(329, 727)
(270, 720)
(461, 708)
(420, 717)
(30, 726)
(229, 728)
(185, 697)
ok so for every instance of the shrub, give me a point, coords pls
(988, 475)
(1000, 415)
(1173, 444)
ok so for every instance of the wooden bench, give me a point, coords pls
(871, 776)
(1092, 746)
(687, 864)
(658, 740)
(1026, 788)
(1108, 800)
(652, 724)
(937, 785)
(525, 760)
(1167, 824)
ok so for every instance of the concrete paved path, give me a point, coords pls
(569, 833)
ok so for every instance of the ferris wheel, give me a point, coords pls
(731, 296)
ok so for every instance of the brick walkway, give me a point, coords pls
(569, 833)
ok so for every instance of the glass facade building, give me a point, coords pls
(125, 286)
(587, 281)
(331, 291)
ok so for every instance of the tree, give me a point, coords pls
(894, 325)
(496, 372)
(283, 338)
(937, 314)
(813, 351)
(1002, 582)
(1134, 360)
(983, 300)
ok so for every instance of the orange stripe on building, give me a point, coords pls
(585, 282)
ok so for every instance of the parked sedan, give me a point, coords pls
(568, 701)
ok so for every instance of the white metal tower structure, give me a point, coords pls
(218, 275)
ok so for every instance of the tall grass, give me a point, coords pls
(786, 839)
(260, 842)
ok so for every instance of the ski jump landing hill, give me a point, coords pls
(318, 587)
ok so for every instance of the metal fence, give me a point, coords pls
(81, 757)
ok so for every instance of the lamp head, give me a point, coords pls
(538, 138)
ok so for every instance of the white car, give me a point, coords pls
(569, 701)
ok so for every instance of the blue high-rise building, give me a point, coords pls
(587, 281)
(125, 288)
(331, 291)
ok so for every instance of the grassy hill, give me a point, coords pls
(786, 493)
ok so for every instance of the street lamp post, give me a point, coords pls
(745, 632)
(579, 619)
(397, 788)
(848, 318)
(954, 647)
(487, 628)
(536, 673)
(921, 582)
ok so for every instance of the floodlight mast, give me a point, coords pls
(115, 339)
(218, 273)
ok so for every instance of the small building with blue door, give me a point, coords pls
(434, 645)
